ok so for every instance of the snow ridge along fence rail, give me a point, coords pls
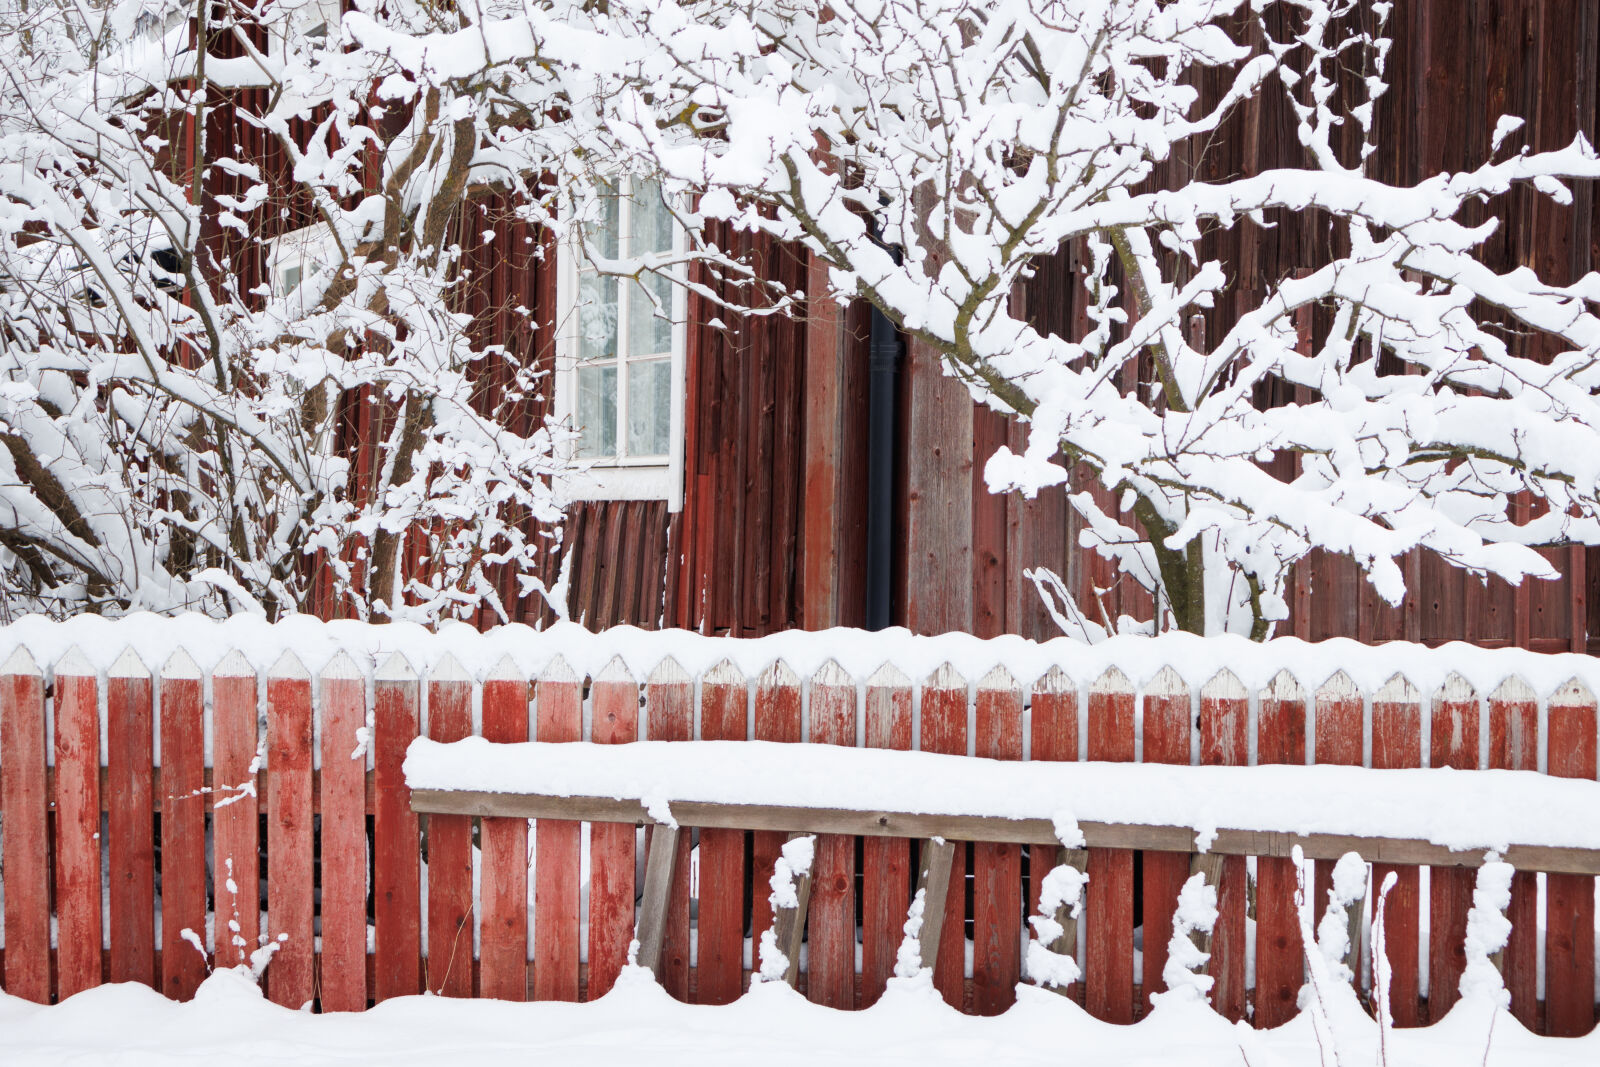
(178, 795)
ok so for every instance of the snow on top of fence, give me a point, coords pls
(1461, 810)
(121, 646)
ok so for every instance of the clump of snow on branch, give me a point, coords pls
(1488, 930)
(908, 962)
(1196, 914)
(1062, 890)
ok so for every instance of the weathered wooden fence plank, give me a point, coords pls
(1514, 746)
(1453, 742)
(1168, 729)
(611, 846)
(944, 729)
(1280, 958)
(27, 871)
(1569, 899)
(1108, 914)
(1225, 741)
(997, 897)
(777, 718)
(720, 978)
(290, 846)
(885, 861)
(184, 960)
(132, 849)
(831, 966)
(669, 705)
(396, 856)
(1337, 736)
(1053, 735)
(77, 718)
(503, 959)
(343, 965)
(450, 912)
(1397, 742)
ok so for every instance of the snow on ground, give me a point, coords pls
(229, 1022)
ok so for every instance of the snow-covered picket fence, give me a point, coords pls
(215, 725)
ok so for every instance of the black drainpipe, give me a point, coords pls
(883, 361)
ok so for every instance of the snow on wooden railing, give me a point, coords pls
(307, 724)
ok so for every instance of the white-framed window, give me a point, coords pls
(620, 355)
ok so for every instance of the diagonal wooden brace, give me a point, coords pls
(658, 871)
(789, 924)
(933, 883)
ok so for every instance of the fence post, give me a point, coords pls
(77, 707)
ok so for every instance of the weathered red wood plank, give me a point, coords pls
(1053, 735)
(1168, 726)
(183, 829)
(1569, 899)
(777, 718)
(885, 861)
(290, 856)
(396, 846)
(1225, 741)
(503, 958)
(1453, 743)
(1397, 742)
(1280, 959)
(944, 729)
(130, 738)
(1108, 948)
(669, 706)
(27, 872)
(1337, 735)
(722, 877)
(831, 977)
(235, 745)
(450, 917)
(1514, 746)
(343, 975)
(997, 868)
(77, 715)
(611, 845)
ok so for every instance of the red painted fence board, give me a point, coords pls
(831, 925)
(183, 830)
(944, 729)
(1514, 746)
(1397, 742)
(611, 846)
(1053, 735)
(1168, 730)
(290, 856)
(1280, 960)
(1225, 741)
(397, 862)
(1337, 735)
(77, 717)
(1108, 946)
(669, 710)
(777, 718)
(997, 898)
(1569, 899)
(449, 842)
(343, 702)
(885, 861)
(27, 872)
(503, 970)
(132, 850)
(1453, 742)
(723, 699)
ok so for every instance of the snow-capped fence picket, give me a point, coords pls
(237, 789)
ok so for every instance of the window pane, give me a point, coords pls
(597, 316)
(597, 411)
(649, 407)
(603, 235)
(649, 333)
(651, 225)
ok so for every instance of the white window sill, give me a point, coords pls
(640, 482)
